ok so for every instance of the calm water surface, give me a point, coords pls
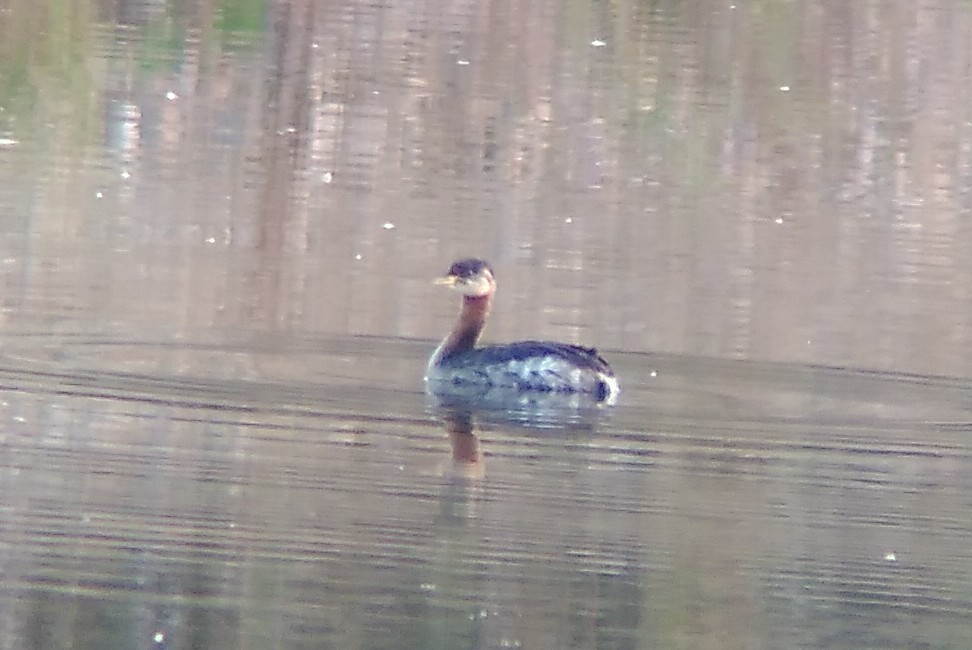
(722, 504)
(218, 226)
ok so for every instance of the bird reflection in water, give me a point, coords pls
(539, 414)
(467, 455)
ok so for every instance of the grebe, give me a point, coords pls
(544, 366)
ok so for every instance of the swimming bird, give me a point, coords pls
(542, 366)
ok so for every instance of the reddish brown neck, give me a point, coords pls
(465, 334)
(472, 321)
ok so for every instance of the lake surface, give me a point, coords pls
(722, 504)
(219, 229)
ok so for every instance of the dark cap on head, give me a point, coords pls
(469, 267)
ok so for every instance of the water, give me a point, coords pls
(220, 225)
(721, 503)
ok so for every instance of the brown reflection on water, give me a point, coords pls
(725, 180)
(467, 454)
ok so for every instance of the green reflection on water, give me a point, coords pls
(242, 16)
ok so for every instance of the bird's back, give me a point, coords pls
(530, 365)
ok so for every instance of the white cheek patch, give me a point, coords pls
(477, 287)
